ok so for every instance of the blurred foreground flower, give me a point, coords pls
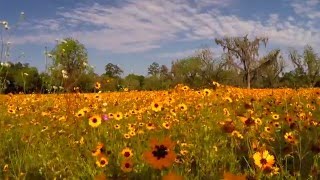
(172, 176)
(230, 176)
(161, 154)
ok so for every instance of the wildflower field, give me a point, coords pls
(217, 133)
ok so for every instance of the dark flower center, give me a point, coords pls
(102, 162)
(156, 105)
(94, 120)
(127, 165)
(249, 122)
(126, 154)
(160, 152)
(263, 161)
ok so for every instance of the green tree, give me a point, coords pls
(307, 65)
(133, 81)
(269, 76)
(154, 69)
(247, 52)
(21, 78)
(70, 61)
(164, 72)
(113, 70)
(187, 71)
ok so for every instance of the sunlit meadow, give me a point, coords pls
(217, 133)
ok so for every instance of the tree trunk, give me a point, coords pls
(248, 80)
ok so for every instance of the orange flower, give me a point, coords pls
(230, 176)
(161, 154)
(172, 176)
(127, 165)
(99, 150)
(101, 176)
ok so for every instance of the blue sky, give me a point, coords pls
(135, 33)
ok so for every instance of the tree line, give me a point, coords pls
(239, 65)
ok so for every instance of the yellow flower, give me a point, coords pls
(11, 111)
(118, 116)
(102, 161)
(166, 125)
(206, 92)
(95, 121)
(185, 88)
(132, 133)
(5, 168)
(97, 85)
(117, 126)
(228, 99)
(127, 136)
(263, 159)
(100, 149)
(127, 153)
(275, 116)
(150, 126)
(237, 134)
(183, 107)
(290, 138)
(155, 106)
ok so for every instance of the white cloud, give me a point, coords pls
(216, 52)
(141, 25)
(307, 8)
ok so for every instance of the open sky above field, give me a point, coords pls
(134, 33)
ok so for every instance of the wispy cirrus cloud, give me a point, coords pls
(307, 8)
(142, 25)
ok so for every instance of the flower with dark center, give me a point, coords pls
(263, 159)
(161, 154)
(127, 165)
(155, 106)
(95, 121)
(102, 161)
(127, 152)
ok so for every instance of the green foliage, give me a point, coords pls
(21, 78)
(247, 52)
(307, 66)
(239, 66)
(154, 69)
(113, 70)
(70, 61)
(134, 82)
